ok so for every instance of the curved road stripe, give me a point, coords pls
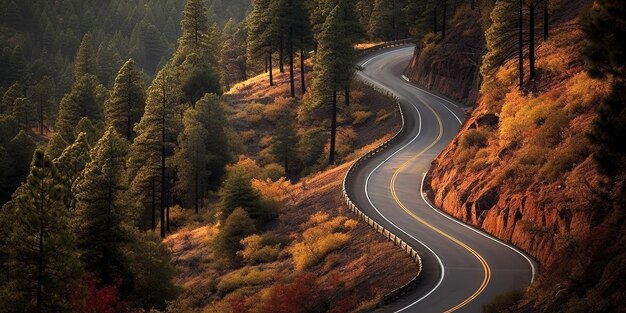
(392, 188)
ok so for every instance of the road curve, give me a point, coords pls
(463, 268)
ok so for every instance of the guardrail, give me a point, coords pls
(412, 252)
(384, 45)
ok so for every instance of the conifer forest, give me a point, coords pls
(305, 156)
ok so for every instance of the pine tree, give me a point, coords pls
(86, 62)
(92, 131)
(103, 211)
(21, 147)
(55, 146)
(41, 95)
(260, 41)
(237, 192)
(84, 100)
(151, 265)
(237, 226)
(10, 95)
(70, 163)
(24, 111)
(17, 69)
(192, 159)
(603, 51)
(504, 38)
(155, 141)
(125, 105)
(233, 61)
(43, 258)
(382, 24)
(284, 140)
(334, 61)
(194, 23)
(108, 60)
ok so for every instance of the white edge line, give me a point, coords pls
(532, 265)
(443, 271)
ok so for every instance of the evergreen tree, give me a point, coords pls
(237, 226)
(194, 23)
(103, 211)
(198, 78)
(125, 105)
(192, 159)
(604, 52)
(70, 163)
(86, 62)
(42, 96)
(109, 61)
(382, 24)
(84, 100)
(233, 61)
(504, 38)
(92, 131)
(260, 41)
(55, 146)
(43, 259)
(284, 140)
(17, 68)
(237, 192)
(10, 95)
(24, 111)
(155, 141)
(210, 113)
(152, 269)
(334, 61)
(21, 147)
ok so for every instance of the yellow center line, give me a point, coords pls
(392, 188)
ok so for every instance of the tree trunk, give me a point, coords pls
(163, 200)
(435, 20)
(197, 181)
(531, 44)
(270, 67)
(281, 57)
(333, 129)
(153, 203)
(167, 205)
(130, 110)
(545, 20)
(473, 5)
(347, 96)
(286, 165)
(303, 84)
(521, 44)
(40, 259)
(443, 26)
(292, 83)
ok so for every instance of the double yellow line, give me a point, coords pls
(392, 188)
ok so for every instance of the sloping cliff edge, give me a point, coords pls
(522, 169)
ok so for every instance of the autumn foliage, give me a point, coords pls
(88, 297)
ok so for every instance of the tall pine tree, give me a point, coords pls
(103, 211)
(43, 256)
(84, 100)
(125, 105)
(334, 62)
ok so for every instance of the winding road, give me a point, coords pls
(463, 268)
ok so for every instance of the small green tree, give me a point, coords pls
(237, 192)
(70, 163)
(237, 226)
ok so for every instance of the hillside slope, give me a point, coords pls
(522, 169)
(320, 258)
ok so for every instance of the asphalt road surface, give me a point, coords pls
(463, 268)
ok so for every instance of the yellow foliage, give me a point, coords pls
(322, 237)
(255, 251)
(360, 117)
(252, 113)
(246, 276)
(276, 190)
(246, 165)
(247, 135)
(383, 115)
(277, 108)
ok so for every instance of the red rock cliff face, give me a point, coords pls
(521, 167)
(451, 66)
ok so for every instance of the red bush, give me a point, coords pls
(87, 297)
(299, 296)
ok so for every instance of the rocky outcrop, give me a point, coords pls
(451, 66)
